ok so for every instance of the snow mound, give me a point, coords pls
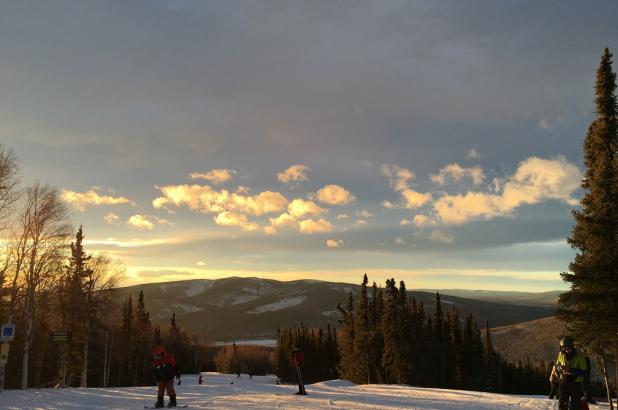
(336, 383)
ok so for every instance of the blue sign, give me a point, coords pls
(7, 333)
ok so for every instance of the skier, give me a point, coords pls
(298, 359)
(571, 368)
(164, 371)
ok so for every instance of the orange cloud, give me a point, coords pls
(293, 175)
(235, 219)
(79, 200)
(215, 176)
(414, 199)
(309, 226)
(535, 180)
(203, 198)
(457, 173)
(335, 195)
(334, 243)
(147, 222)
(111, 218)
(299, 208)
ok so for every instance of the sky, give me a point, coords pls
(438, 143)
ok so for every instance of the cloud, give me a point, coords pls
(79, 200)
(414, 199)
(472, 154)
(398, 177)
(309, 226)
(441, 236)
(201, 263)
(364, 214)
(334, 243)
(405, 222)
(335, 195)
(535, 180)
(343, 216)
(294, 175)
(360, 223)
(299, 208)
(147, 222)
(111, 218)
(234, 219)
(203, 198)
(284, 221)
(215, 176)
(457, 173)
(422, 220)
(400, 241)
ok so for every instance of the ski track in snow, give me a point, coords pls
(219, 393)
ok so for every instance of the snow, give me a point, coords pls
(254, 342)
(281, 304)
(188, 308)
(197, 287)
(237, 300)
(226, 392)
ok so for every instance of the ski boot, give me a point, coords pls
(159, 404)
(172, 402)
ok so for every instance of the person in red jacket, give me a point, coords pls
(298, 359)
(164, 371)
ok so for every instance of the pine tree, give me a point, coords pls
(346, 339)
(361, 337)
(590, 307)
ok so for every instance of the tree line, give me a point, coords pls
(387, 337)
(50, 284)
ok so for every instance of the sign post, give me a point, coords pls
(7, 332)
(62, 338)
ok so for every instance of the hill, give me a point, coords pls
(252, 308)
(537, 340)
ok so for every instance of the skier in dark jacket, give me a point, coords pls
(571, 368)
(298, 359)
(164, 371)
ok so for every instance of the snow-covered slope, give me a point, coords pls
(227, 392)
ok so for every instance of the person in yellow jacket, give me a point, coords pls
(571, 369)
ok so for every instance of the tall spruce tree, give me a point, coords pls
(361, 337)
(589, 308)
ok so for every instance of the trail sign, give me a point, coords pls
(59, 337)
(7, 333)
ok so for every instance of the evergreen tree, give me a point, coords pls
(361, 338)
(590, 307)
(347, 363)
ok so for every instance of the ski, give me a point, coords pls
(184, 406)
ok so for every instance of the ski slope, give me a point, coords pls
(222, 391)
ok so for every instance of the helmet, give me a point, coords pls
(566, 341)
(158, 352)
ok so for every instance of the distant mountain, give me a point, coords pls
(252, 308)
(548, 299)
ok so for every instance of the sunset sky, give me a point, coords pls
(434, 142)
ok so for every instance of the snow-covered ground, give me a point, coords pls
(227, 392)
